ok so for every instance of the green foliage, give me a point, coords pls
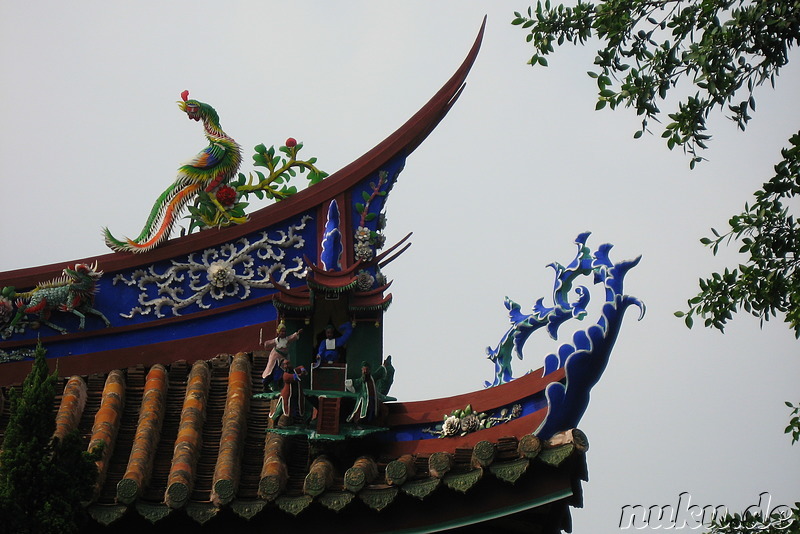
(793, 427)
(363, 208)
(786, 521)
(281, 165)
(281, 169)
(768, 282)
(725, 49)
(42, 481)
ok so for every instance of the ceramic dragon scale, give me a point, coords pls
(210, 169)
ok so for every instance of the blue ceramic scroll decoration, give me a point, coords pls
(586, 357)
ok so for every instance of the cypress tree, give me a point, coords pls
(42, 480)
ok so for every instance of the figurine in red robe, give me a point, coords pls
(291, 403)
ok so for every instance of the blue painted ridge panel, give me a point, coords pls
(376, 201)
(115, 298)
(240, 265)
(246, 316)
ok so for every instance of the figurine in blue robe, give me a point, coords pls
(330, 349)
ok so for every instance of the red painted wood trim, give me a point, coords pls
(410, 413)
(516, 427)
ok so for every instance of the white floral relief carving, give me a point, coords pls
(231, 270)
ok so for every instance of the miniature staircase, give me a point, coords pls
(328, 415)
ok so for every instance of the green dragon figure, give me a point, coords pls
(209, 170)
(72, 293)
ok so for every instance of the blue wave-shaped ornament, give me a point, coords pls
(586, 357)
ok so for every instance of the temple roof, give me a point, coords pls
(191, 444)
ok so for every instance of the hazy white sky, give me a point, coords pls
(521, 165)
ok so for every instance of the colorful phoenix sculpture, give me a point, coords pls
(210, 169)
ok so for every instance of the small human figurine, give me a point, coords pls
(330, 348)
(385, 384)
(291, 402)
(280, 349)
(368, 403)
